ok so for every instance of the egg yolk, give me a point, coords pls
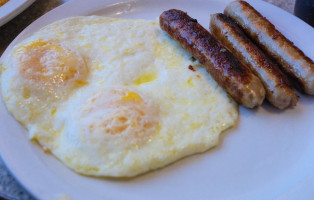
(131, 96)
(49, 63)
(120, 112)
(146, 78)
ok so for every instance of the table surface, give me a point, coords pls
(8, 185)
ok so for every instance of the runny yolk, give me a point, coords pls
(48, 63)
(145, 78)
(131, 96)
(120, 112)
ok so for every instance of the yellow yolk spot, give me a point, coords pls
(139, 45)
(145, 78)
(128, 52)
(53, 111)
(190, 82)
(131, 96)
(196, 126)
(32, 45)
(60, 35)
(26, 93)
(2, 69)
(163, 52)
(49, 63)
(96, 65)
(81, 82)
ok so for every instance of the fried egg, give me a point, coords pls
(113, 97)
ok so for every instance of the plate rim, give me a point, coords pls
(12, 8)
(28, 30)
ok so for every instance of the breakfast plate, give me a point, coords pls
(269, 153)
(12, 8)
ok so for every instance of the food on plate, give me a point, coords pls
(292, 60)
(113, 97)
(234, 77)
(2, 2)
(276, 84)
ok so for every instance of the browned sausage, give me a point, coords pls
(276, 84)
(230, 74)
(291, 59)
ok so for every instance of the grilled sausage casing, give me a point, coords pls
(291, 59)
(276, 84)
(230, 74)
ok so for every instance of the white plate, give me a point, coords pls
(269, 154)
(13, 8)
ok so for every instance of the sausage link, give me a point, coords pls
(276, 84)
(229, 73)
(291, 59)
